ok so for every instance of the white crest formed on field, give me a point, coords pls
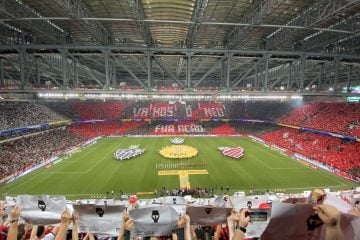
(100, 218)
(233, 152)
(131, 152)
(153, 221)
(41, 210)
(177, 140)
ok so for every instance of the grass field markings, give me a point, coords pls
(278, 168)
(309, 188)
(259, 160)
(98, 162)
(49, 173)
(327, 174)
(26, 181)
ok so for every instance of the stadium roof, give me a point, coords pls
(262, 45)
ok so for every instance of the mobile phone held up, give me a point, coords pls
(258, 215)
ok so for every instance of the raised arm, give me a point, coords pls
(63, 226)
(240, 228)
(2, 212)
(75, 231)
(187, 229)
(330, 215)
(14, 218)
(126, 226)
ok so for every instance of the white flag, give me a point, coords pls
(300, 222)
(104, 219)
(153, 221)
(41, 210)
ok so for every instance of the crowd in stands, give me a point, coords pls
(130, 109)
(98, 110)
(18, 155)
(331, 151)
(111, 128)
(223, 129)
(222, 219)
(343, 118)
(63, 108)
(312, 115)
(22, 114)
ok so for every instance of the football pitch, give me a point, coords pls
(93, 171)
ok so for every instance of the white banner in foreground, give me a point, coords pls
(153, 221)
(104, 219)
(300, 222)
(41, 210)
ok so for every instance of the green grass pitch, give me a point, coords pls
(93, 170)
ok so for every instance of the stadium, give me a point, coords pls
(171, 107)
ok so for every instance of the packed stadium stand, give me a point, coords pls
(15, 114)
(261, 95)
(180, 117)
(20, 154)
(328, 150)
(340, 118)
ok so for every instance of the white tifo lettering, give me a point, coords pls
(141, 112)
(190, 128)
(214, 112)
(188, 111)
(167, 111)
(160, 128)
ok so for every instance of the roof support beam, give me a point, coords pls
(121, 64)
(76, 74)
(51, 68)
(184, 51)
(336, 77)
(107, 69)
(266, 79)
(348, 80)
(139, 15)
(22, 68)
(37, 69)
(163, 67)
(242, 77)
(78, 9)
(45, 30)
(212, 69)
(321, 40)
(254, 16)
(150, 70)
(65, 80)
(188, 71)
(314, 16)
(228, 68)
(98, 77)
(197, 14)
(2, 82)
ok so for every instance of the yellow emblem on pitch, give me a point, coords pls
(178, 151)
